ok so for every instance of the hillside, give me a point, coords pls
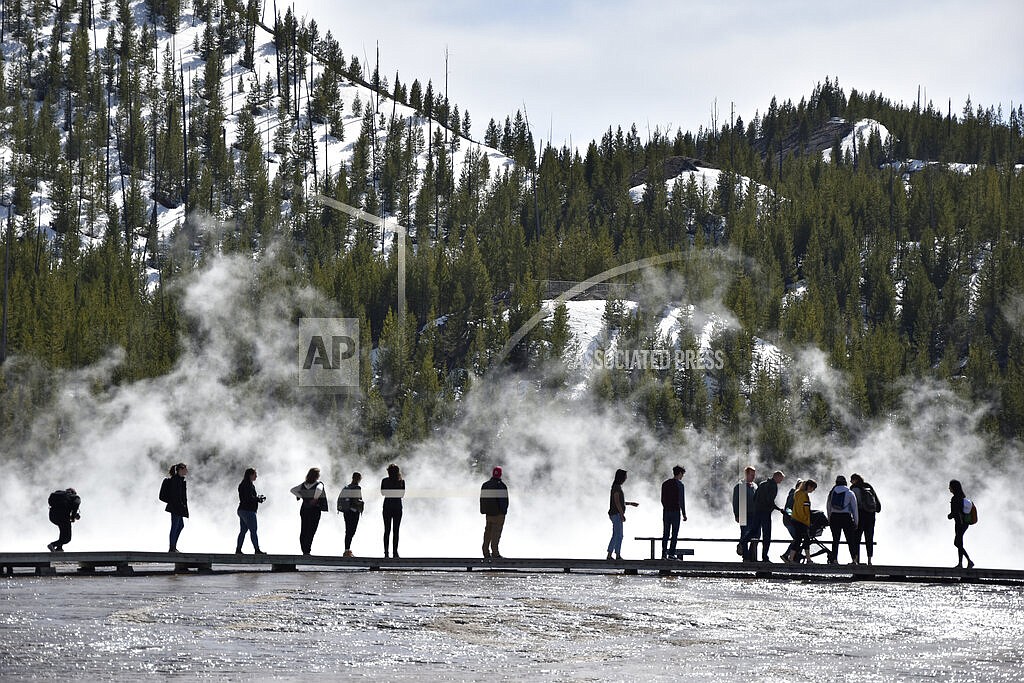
(146, 146)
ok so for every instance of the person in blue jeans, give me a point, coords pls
(617, 513)
(248, 503)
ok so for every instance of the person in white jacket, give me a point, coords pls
(841, 508)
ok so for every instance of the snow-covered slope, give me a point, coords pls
(862, 130)
(331, 153)
(706, 179)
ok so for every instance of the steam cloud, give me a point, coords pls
(232, 401)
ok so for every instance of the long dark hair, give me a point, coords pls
(956, 488)
(394, 472)
(313, 475)
(620, 478)
(248, 474)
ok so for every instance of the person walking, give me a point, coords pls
(843, 517)
(248, 503)
(960, 507)
(313, 495)
(494, 506)
(801, 522)
(174, 492)
(787, 516)
(868, 505)
(743, 507)
(673, 507)
(392, 487)
(617, 513)
(350, 505)
(764, 506)
(63, 512)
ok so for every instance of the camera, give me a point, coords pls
(260, 499)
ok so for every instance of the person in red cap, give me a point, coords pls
(494, 505)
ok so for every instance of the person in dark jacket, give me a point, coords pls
(392, 487)
(494, 505)
(673, 506)
(868, 505)
(764, 506)
(248, 503)
(176, 498)
(63, 511)
(350, 506)
(314, 501)
(617, 514)
(743, 511)
(960, 512)
(787, 520)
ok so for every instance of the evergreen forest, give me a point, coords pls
(140, 140)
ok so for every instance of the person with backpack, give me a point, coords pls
(868, 505)
(963, 513)
(673, 509)
(248, 503)
(787, 517)
(764, 506)
(63, 511)
(494, 507)
(843, 517)
(174, 492)
(743, 511)
(314, 501)
(392, 487)
(350, 505)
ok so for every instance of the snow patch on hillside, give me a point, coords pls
(862, 130)
(586, 323)
(706, 179)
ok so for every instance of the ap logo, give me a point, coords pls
(328, 352)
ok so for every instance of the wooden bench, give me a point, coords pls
(754, 542)
(680, 552)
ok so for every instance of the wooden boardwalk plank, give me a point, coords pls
(128, 562)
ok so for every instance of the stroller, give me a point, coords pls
(819, 521)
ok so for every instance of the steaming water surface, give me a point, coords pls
(431, 625)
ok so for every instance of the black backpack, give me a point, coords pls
(868, 501)
(789, 506)
(57, 499)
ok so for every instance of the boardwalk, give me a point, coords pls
(131, 562)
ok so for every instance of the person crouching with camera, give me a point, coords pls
(63, 511)
(248, 503)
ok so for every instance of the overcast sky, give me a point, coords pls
(581, 66)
